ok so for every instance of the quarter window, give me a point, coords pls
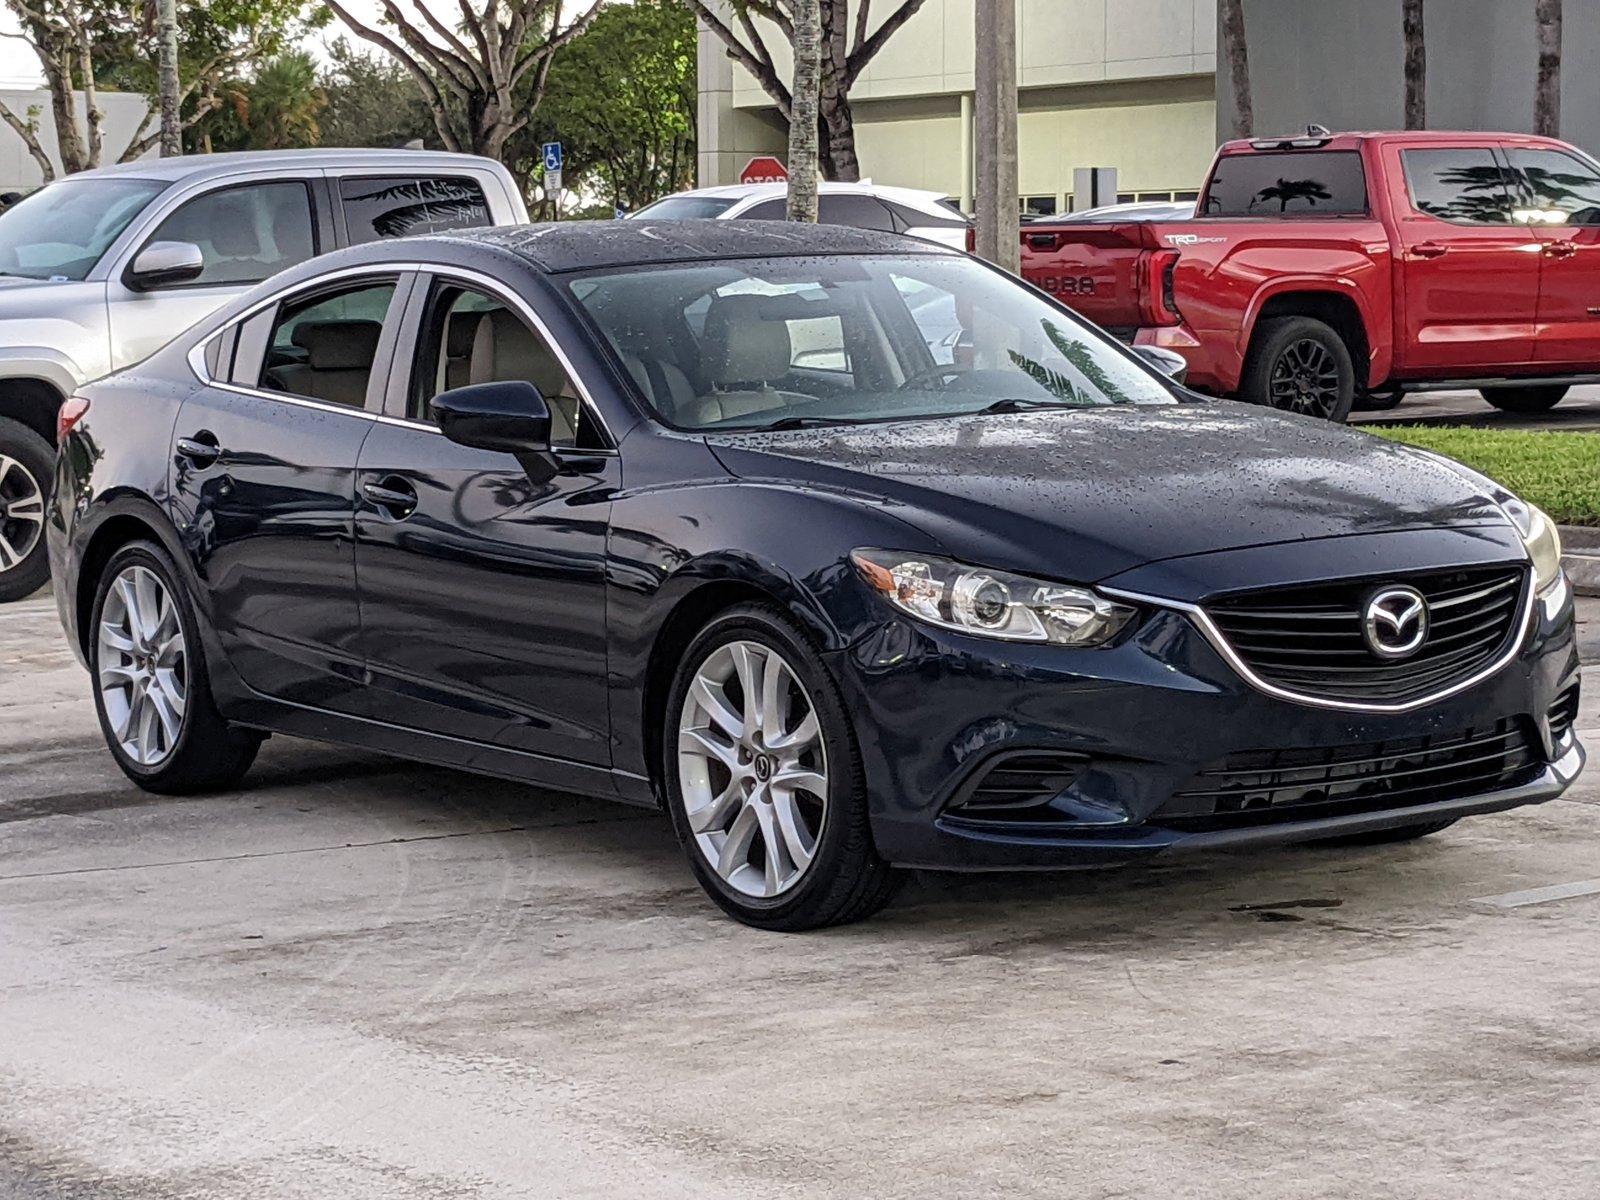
(1565, 190)
(322, 347)
(470, 337)
(245, 234)
(397, 206)
(1465, 186)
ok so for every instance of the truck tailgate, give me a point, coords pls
(1098, 270)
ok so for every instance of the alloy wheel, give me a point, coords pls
(1305, 379)
(753, 769)
(143, 666)
(21, 513)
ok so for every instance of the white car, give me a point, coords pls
(864, 205)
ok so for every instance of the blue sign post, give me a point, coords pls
(552, 177)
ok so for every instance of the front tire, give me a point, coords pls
(1300, 365)
(763, 779)
(1529, 398)
(26, 465)
(152, 693)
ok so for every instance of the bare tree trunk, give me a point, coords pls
(168, 87)
(995, 117)
(804, 130)
(1547, 94)
(839, 161)
(1236, 52)
(1416, 64)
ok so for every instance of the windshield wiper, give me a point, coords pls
(786, 423)
(1013, 405)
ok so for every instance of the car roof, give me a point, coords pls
(196, 165)
(560, 246)
(1353, 139)
(762, 191)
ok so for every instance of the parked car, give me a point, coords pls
(560, 504)
(1137, 210)
(927, 215)
(100, 269)
(1326, 266)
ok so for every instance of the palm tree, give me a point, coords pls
(279, 109)
(1547, 93)
(1416, 68)
(803, 130)
(1236, 52)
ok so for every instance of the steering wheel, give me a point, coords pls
(948, 371)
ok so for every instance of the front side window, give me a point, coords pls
(397, 206)
(788, 342)
(245, 234)
(61, 231)
(322, 347)
(470, 337)
(1309, 183)
(1565, 190)
(1465, 186)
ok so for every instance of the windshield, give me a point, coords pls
(60, 231)
(788, 342)
(685, 208)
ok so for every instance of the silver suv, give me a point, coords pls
(100, 269)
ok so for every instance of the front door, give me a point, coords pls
(1563, 194)
(1468, 271)
(263, 486)
(246, 233)
(483, 613)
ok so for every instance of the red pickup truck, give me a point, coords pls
(1326, 268)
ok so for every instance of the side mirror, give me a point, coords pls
(510, 416)
(162, 264)
(1169, 362)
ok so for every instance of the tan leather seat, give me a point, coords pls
(461, 330)
(505, 349)
(339, 358)
(745, 354)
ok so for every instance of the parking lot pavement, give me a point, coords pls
(1579, 410)
(358, 978)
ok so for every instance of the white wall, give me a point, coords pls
(18, 171)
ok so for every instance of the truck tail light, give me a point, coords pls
(72, 411)
(1158, 298)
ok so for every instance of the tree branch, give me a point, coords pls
(430, 89)
(867, 50)
(457, 77)
(30, 138)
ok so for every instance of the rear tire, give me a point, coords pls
(151, 689)
(1299, 365)
(722, 778)
(1529, 398)
(1386, 837)
(27, 464)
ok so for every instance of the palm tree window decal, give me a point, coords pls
(1285, 192)
(398, 207)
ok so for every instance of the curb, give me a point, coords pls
(1581, 558)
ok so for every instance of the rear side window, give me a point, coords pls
(1311, 183)
(323, 347)
(395, 206)
(1565, 190)
(858, 212)
(245, 234)
(1465, 186)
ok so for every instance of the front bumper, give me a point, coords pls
(936, 710)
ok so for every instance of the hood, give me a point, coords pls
(1089, 493)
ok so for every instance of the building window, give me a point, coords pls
(1039, 206)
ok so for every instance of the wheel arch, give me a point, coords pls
(1339, 307)
(32, 401)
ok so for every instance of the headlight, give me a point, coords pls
(1540, 536)
(991, 603)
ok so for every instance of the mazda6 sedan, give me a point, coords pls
(849, 551)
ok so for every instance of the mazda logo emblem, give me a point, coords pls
(1395, 622)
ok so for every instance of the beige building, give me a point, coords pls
(1129, 84)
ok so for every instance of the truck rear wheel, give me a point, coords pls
(26, 464)
(1528, 398)
(1299, 365)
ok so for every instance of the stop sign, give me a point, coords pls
(764, 169)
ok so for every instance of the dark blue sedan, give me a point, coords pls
(849, 551)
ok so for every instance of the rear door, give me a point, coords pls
(1467, 270)
(1562, 194)
(247, 231)
(263, 481)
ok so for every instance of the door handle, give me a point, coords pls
(393, 495)
(201, 449)
(1428, 250)
(1561, 249)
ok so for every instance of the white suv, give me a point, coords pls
(862, 205)
(102, 268)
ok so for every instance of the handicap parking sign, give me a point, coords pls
(552, 156)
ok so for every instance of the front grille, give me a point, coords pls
(1018, 786)
(1308, 639)
(1259, 787)
(1564, 712)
